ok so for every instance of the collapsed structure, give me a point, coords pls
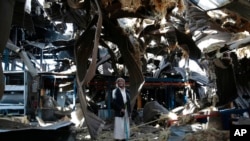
(175, 52)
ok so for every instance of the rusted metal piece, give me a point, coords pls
(85, 73)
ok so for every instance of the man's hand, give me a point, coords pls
(122, 112)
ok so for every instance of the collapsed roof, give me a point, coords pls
(153, 27)
(148, 37)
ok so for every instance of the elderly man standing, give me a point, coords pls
(122, 110)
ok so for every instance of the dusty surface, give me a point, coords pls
(8, 124)
(146, 132)
(139, 131)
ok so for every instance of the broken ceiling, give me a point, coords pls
(142, 35)
(210, 24)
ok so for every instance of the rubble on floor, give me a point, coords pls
(202, 125)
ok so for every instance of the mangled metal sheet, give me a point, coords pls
(195, 76)
(152, 111)
(58, 131)
(210, 4)
(83, 50)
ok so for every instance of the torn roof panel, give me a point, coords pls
(210, 4)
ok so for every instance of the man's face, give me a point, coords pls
(121, 83)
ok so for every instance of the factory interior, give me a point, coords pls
(186, 64)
